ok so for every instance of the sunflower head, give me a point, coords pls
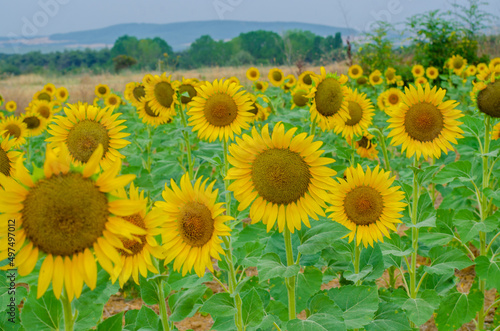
(187, 90)
(11, 106)
(42, 107)
(134, 92)
(362, 80)
(112, 100)
(421, 80)
(149, 117)
(42, 96)
(366, 204)
(390, 75)
(290, 81)
(102, 90)
(355, 71)
(360, 112)
(305, 78)
(432, 72)
(457, 63)
(253, 73)
(375, 78)
(487, 97)
(161, 93)
(276, 76)
(36, 124)
(260, 86)
(471, 70)
(15, 128)
(299, 97)
(62, 94)
(8, 157)
(50, 89)
(418, 70)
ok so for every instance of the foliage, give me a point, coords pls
(377, 52)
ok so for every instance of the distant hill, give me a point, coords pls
(177, 35)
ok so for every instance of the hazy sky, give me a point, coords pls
(33, 18)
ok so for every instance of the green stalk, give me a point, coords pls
(148, 149)
(238, 318)
(313, 127)
(69, 318)
(414, 233)
(357, 253)
(381, 139)
(188, 145)
(290, 281)
(163, 306)
(28, 149)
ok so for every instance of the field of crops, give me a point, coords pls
(317, 201)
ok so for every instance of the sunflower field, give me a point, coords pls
(318, 201)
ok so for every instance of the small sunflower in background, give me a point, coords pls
(299, 97)
(233, 80)
(253, 74)
(102, 90)
(421, 80)
(260, 86)
(366, 204)
(494, 62)
(424, 124)
(112, 100)
(136, 253)
(276, 76)
(187, 90)
(375, 78)
(481, 67)
(68, 217)
(261, 113)
(290, 81)
(363, 80)
(10, 106)
(393, 98)
(50, 89)
(305, 78)
(365, 146)
(148, 116)
(161, 94)
(361, 113)
(36, 124)
(62, 94)
(390, 75)
(219, 111)
(417, 70)
(457, 64)
(8, 157)
(282, 177)
(355, 71)
(432, 73)
(42, 107)
(84, 128)
(134, 93)
(471, 70)
(329, 104)
(43, 96)
(382, 101)
(14, 127)
(194, 225)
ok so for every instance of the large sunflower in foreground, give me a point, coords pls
(282, 177)
(329, 103)
(361, 113)
(220, 110)
(14, 127)
(66, 216)
(137, 256)
(161, 94)
(366, 204)
(424, 124)
(85, 127)
(193, 224)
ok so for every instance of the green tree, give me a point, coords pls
(264, 46)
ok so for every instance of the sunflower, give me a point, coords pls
(486, 94)
(112, 100)
(400, 82)
(148, 116)
(134, 92)
(219, 111)
(50, 89)
(299, 97)
(102, 90)
(253, 73)
(36, 124)
(390, 75)
(432, 72)
(234, 80)
(67, 215)
(365, 147)
(85, 127)
(471, 70)
(161, 94)
(10, 106)
(329, 104)
(136, 258)
(194, 223)
(260, 86)
(14, 127)
(306, 78)
(62, 94)
(261, 112)
(421, 80)
(392, 98)
(495, 62)
(187, 90)
(366, 204)
(457, 64)
(355, 71)
(481, 67)
(283, 177)
(382, 101)
(418, 70)
(42, 107)
(361, 112)
(8, 157)
(276, 76)
(424, 124)
(290, 81)
(375, 78)
(42, 95)
(362, 80)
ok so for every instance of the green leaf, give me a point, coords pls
(472, 126)
(468, 227)
(458, 308)
(149, 290)
(488, 270)
(317, 322)
(278, 308)
(9, 302)
(253, 310)
(420, 310)
(270, 266)
(130, 319)
(219, 305)
(41, 314)
(178, 282)
(321, 236)
(322, 304)
(249, 255)
(113, 323)
(426, 214)
(308, 284)
(372, 256)
(446, 260)
(186, 303)
(358, 303)
(460, 170)
(224, 324)
(426, 175)
(147, 319)
(389, 317)
(393, 249)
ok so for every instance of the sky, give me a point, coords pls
(36, 18)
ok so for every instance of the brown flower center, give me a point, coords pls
(363, 205)
(356, 113)
(424, 122)
(134, 246)
(220, 109)
(4, 163)
(32, 122)
(84, 138)
(196, 225)
(329, 97)
(164, 94)
(13, 130)
(299, 98)
(488, 100)
(190, 91)
(139, 92)
(277, 76)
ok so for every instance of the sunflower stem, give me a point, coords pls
(313, 128)
(290, 281)
(69, 318)
(148, 149)
(28, 151)
(188, 144)
(381, 139)
(163, 306)
(357, 253)
(414, 233)
(353, 155)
